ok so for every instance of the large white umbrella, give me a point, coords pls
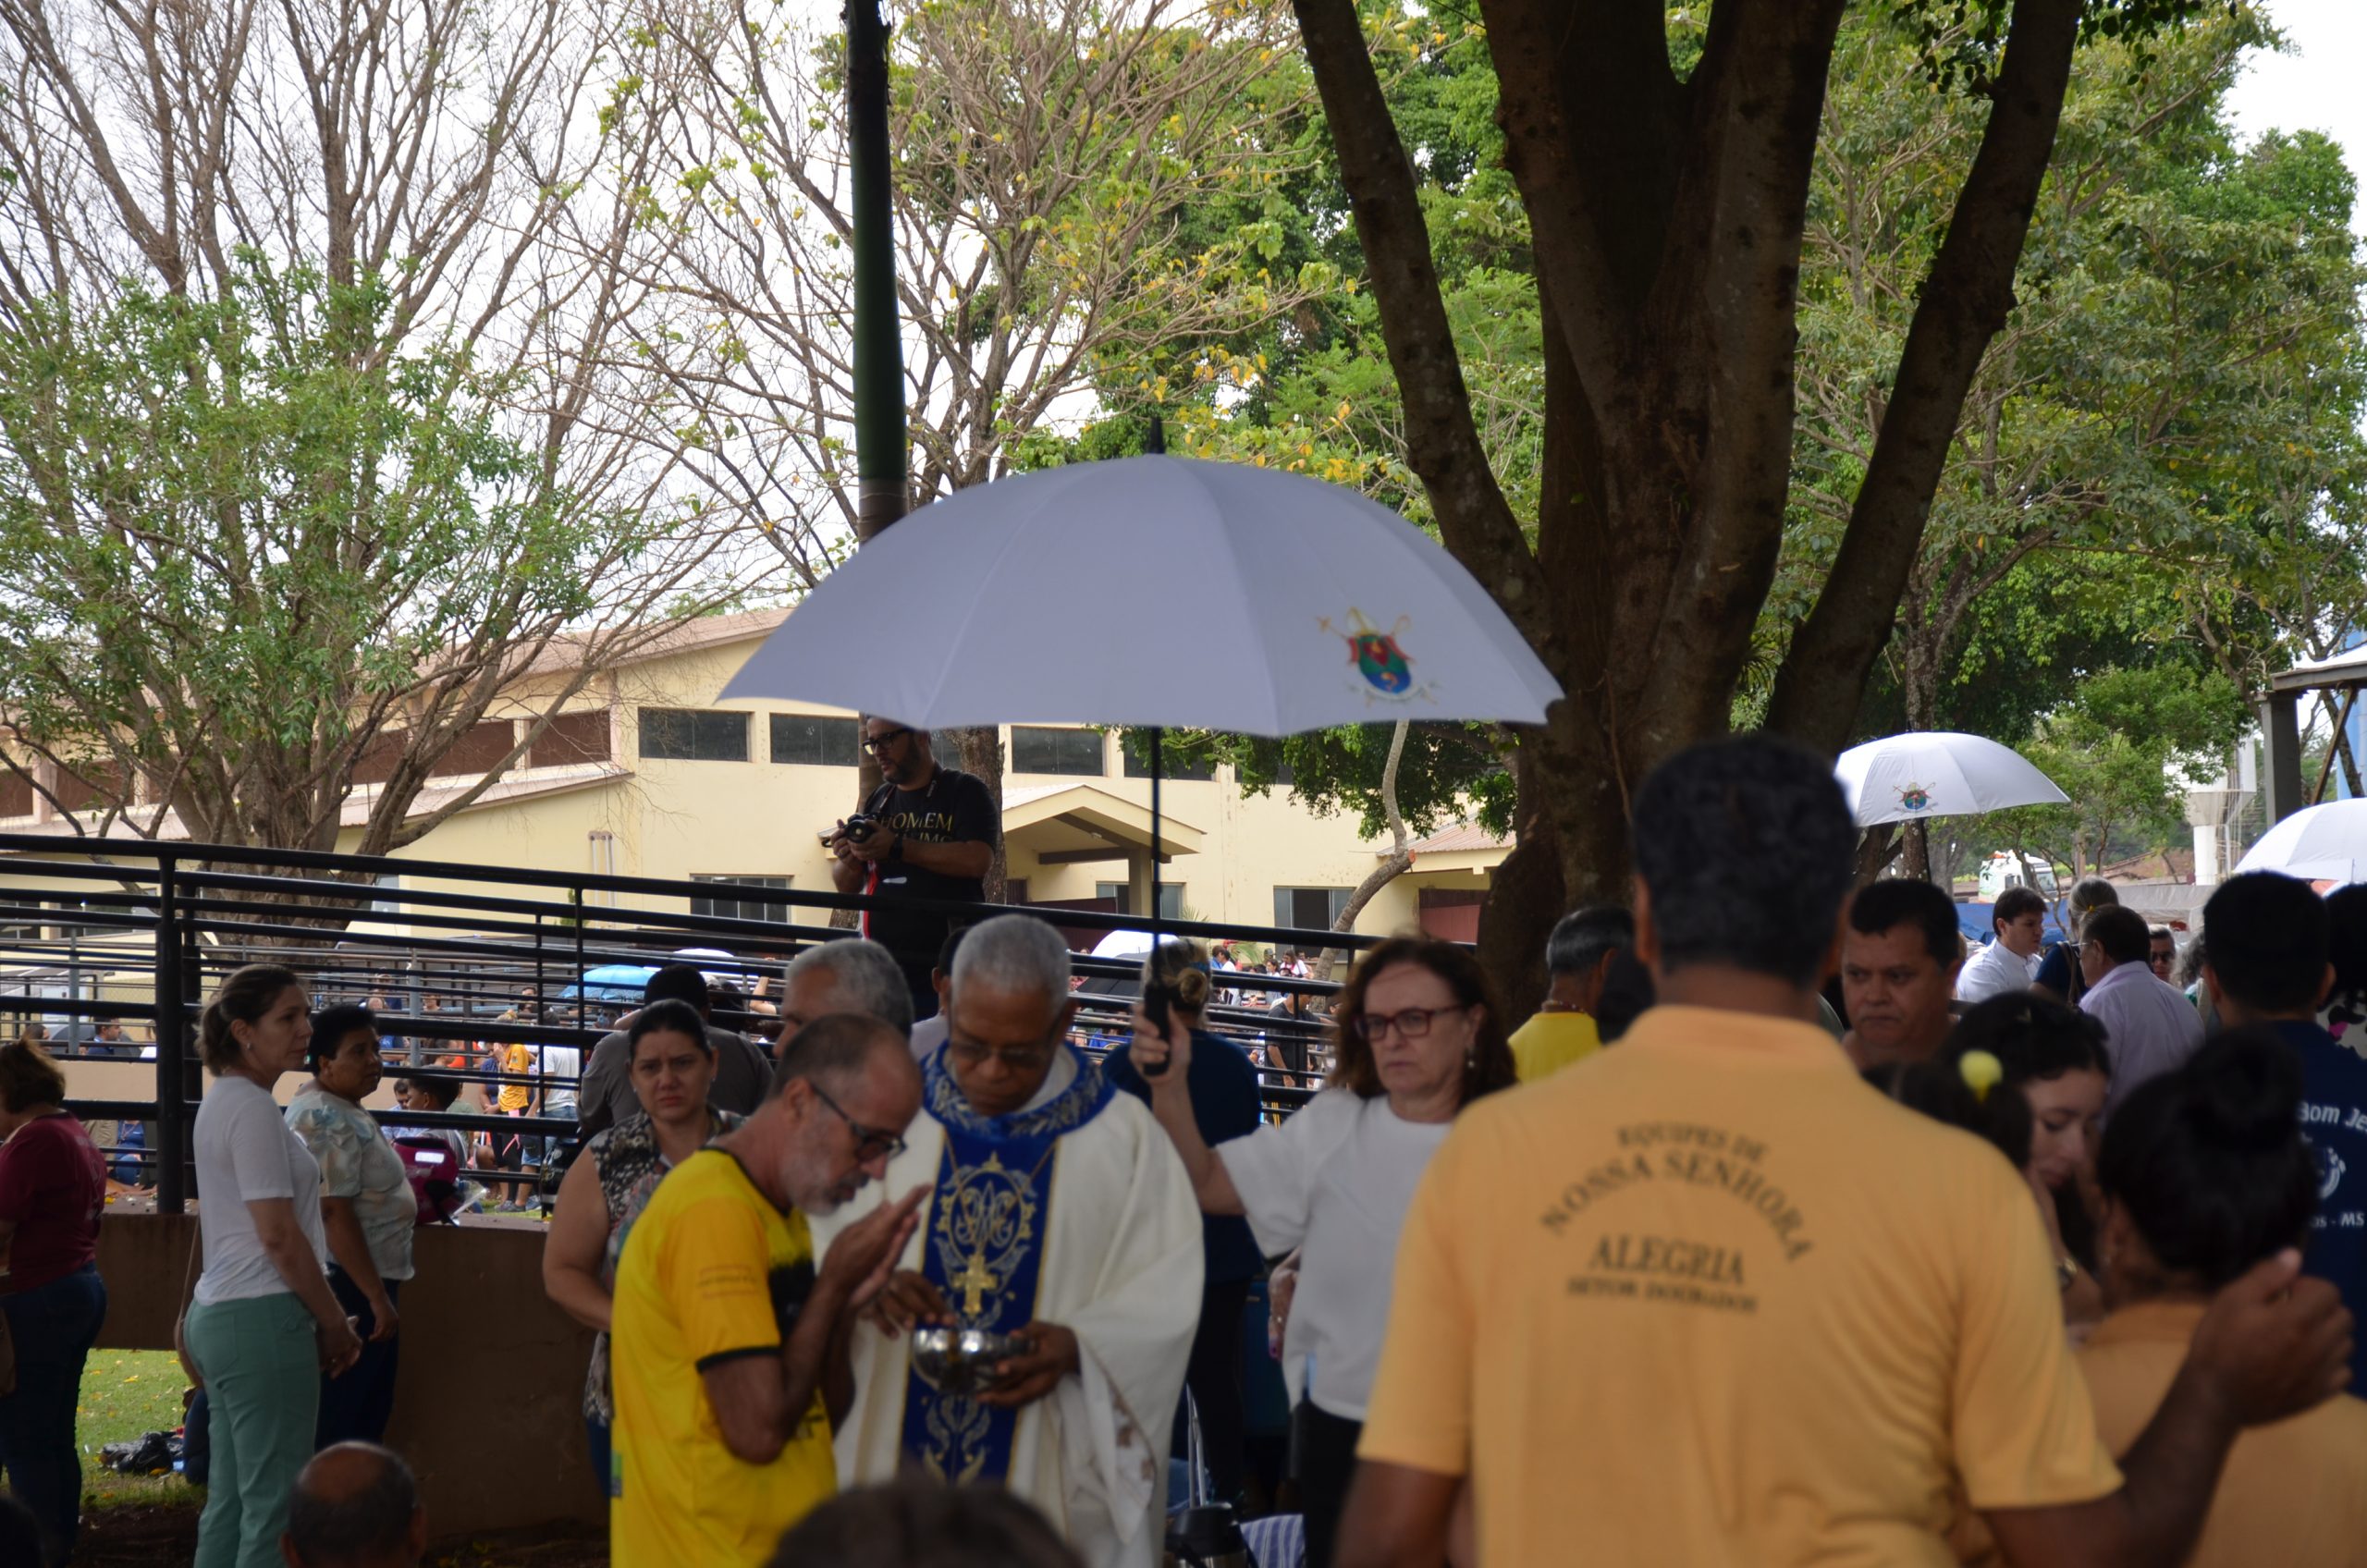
(1933, 773)
(1155, 592)
(2322, 843)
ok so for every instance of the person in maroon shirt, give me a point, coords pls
(53, 1186)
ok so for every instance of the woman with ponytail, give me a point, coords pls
(263, 1324)
(2204, 1173)
(53, 1186)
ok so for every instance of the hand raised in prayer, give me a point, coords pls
(2272, 1344)
(909, 1298)
(1167, 1060)
(1037, 1371)
(859, 1262)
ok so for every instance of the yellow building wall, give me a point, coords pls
(673, 820)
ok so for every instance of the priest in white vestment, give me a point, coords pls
(1059, 1209)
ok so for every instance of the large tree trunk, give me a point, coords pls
(1877, 846)
(980, 749)
(1525, 898)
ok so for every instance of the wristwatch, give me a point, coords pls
(2067, 1273)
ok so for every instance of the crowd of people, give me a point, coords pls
(1784, 1230)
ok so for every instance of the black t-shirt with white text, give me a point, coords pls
(951, 808)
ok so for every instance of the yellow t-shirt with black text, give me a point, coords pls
(711, 1271)
(1709, 1299)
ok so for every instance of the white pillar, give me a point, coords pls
(2206, 855)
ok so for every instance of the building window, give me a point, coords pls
(1175, 760)
(571, 738)
(693, 735)
(1310, 909)
(815, 741)
(1074, 752)
(743, 908)
(1170, 897)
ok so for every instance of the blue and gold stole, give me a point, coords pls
(984, 1249)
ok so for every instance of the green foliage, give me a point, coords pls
(1448, 771)
(1962, 43)
(235, 532)
(2158, 467)
(2123, 748)
(2157, 476)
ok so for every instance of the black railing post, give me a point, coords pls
(172, 1047)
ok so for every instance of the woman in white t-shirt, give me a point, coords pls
(262, 1324)
(1418, 1038)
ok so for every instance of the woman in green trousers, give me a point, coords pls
(262, 1322)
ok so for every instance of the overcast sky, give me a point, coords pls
(2317, 86)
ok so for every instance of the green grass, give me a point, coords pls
(126, 1392)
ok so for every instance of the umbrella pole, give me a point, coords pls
(1156, 736)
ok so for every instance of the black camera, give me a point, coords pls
(856, 829)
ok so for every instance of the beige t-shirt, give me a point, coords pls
(1708, 1299)
(2294, 1492)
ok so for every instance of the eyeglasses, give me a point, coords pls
(884, 739)
(1412, 1023)
(870, 1143)
(1020, 1059)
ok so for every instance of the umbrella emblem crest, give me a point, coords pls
(1376, 654)
(1914, 797)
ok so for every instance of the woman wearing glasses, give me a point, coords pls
(611, 1182)
(1418, 1038)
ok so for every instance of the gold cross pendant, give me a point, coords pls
(974, 1282)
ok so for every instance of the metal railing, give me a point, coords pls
(138, 933)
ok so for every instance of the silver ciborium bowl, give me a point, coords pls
(963, 1361)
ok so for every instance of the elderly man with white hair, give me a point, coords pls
(849, 975)
(1057, 1211)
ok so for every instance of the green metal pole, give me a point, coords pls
(881, 465)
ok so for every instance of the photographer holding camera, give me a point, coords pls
(927, 832)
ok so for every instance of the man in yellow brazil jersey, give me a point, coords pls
(729, 1354)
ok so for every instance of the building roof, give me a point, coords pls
(567, 652)
(1088, 819)
(1463, 838)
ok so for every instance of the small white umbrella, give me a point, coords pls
(1933, 773)
(2322, 843)
(1123, 944)
(1153, 591)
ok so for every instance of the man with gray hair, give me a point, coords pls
(1058, 1213)
(1577, 956)
(2059, 974)
(354, 1506)
(851, 974)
